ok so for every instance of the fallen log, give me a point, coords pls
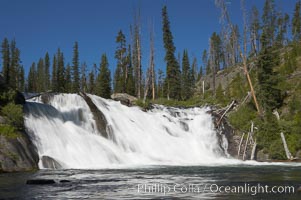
(228, 108)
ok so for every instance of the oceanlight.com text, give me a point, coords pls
(254, 189)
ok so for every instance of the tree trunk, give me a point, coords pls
(246, 145)
(139, 68)
(203, 89)
(253, 150)
(240, 143)
(287, 152)
(152, 61)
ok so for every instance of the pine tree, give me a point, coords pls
(68, 79)
(160, 88)
(91, 84)
(282, 24)
(47, 72)
(269, 94)
(40, 76)
(120, 76)
(130, 82)
(21, 84)
(173, 73)
(215, 57)
(103, 84)
(200, 74)
(60, 71)
(118, 80)
(54, 74)
(269, 21)
(136, 54)
(206, 62)
(32, 79)
(5, 60)
(83, 73)
(186, 77)
(14, 64)
(254, 31)
(194, 67)
(296, 21)
(75, 69)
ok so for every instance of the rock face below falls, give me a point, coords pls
(17, 154)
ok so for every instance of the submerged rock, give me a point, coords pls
(50, 163)
(40, 182)
(65, 181)
(124, 98)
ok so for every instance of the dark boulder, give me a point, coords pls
(19, 98)
(124, 98)
(50, 163)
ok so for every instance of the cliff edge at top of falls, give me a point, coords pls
(17, 152)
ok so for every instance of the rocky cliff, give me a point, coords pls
(17, 153)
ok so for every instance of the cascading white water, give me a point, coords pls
(66, 131)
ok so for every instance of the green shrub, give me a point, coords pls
(13, 114)
(242, 118)
(7, 96)
(8, 131)
(143, 105)
(276, 150)
(294, 142)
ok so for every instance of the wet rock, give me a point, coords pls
(224, 128)
(46, 97)
(99, 117)
(298, 154)
(261, 156)
(17, 154)
(124, 98)
(50, 163)
(184, 126)
(40, 182)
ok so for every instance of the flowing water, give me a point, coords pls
(65, 130)
(123, 183)
(164, 153)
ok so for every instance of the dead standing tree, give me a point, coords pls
(242, 52)
(150, 76)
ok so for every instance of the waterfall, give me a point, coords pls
(65, 130)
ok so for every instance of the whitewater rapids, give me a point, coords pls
(65, 130)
